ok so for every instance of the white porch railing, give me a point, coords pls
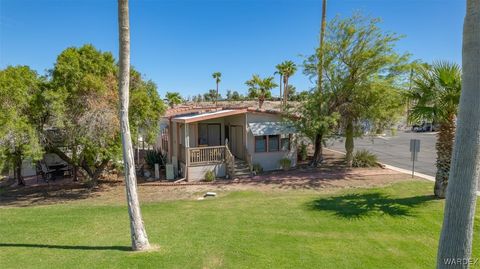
(206, 155)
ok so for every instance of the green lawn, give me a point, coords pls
(392, 227)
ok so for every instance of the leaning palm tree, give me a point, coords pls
(457, 229)
(436, 93)
(173, 98)
(137, 229)
(260, 88)
(288, 68)
(217, 76)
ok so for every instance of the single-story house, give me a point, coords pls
(228, 141)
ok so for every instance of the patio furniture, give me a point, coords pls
(45, 172)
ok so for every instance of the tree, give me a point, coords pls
(363, 71)
(287, 69)
(279, 72)
(217, 76)
(260, 88)
(457, 229)
(211, 95)
(19, 91)
(173, 98)
(236, 96)
(436, 93)
(137, 229)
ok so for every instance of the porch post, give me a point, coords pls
(187, 151)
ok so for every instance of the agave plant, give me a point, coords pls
(436, 94)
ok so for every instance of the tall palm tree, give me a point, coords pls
(279, 72)
(173, 98)
(217, 76)
(436, 93)
(288, 69)
(260, 88)
(137, 229)
(457, 229)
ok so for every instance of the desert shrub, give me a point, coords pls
(155, 156)
(303, 152)
(285, 163)
(209, 176)
(364, 158)
(257, 168)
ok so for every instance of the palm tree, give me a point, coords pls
(260, 88)
(457, 229)
(288, 68)
(217, 76)
(137, 229)
(173, 98)
(436, 93)
(279, 72)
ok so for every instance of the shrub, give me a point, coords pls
(155, 156)
(285, 163)
(364, 158)
(209, 176)
(257, 168)
(393, 131)
(303, 152)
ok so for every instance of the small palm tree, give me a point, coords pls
(173, 98)
(436, 94)
(287, 69)
(217, 76)
(260, 88)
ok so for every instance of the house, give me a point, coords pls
(228, 141)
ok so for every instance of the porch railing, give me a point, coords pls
(206, 155)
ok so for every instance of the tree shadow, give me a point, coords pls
(355, 206)
(119, 248)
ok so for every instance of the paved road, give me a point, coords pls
(395, 150)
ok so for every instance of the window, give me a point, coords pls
(285, 142)
(273, 143)
(260, 143)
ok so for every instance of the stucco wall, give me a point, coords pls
(197, 173)
(269, 160)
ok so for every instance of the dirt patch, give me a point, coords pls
(331, 175)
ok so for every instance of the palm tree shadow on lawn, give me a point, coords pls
(356, 206)
(119, 248)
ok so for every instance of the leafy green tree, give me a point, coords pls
(363, 72)
(211, 96)
(19, 93)
(217, 76)
(173, 98)
(236, 96)
(436, 94)
(260, 88)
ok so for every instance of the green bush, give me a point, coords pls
(303, 152)
(209, 176)
(364, 158)
(285, 163)
(155, 156)
(257, 168)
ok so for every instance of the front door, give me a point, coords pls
(236, 141)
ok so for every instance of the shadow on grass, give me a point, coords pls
(119, 248)
(353, 206)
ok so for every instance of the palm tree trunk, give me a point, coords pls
(457, 229)
(444, 148)
(281, 77)
(137, 229)
(349, 144)
(285, 92)
(216, 97)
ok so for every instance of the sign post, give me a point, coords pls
(414, 150)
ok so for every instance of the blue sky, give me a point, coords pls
(180, 43)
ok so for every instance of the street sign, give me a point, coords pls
(414, 149)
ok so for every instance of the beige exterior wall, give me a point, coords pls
(269, 160)
(197, 173)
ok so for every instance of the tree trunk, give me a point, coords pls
(261, 99)
(444, 148)
(137, 229)
(318, 153)
(281, 77)
(18, 170)
(285, 91)
(349, 143)
(457, 229)
(216, 97)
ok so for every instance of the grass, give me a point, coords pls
(391, 227)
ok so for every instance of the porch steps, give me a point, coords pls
(242, 169)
